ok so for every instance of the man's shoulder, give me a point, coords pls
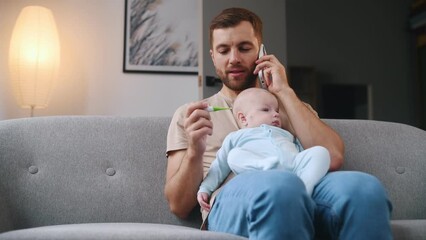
(219, 99)
(180, 111)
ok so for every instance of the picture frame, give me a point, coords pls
(160, 36)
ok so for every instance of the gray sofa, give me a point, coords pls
(98, 177)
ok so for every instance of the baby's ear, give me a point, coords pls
(242, 120)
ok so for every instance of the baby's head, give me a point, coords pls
(256, 106)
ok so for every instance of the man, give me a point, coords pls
(266, 204)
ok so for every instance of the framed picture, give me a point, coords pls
(161, 36)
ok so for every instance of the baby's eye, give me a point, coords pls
(265, 109)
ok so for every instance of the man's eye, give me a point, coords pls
(244, 49)
(222, 51)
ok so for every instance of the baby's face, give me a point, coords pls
(262, 109)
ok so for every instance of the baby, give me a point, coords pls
(261, 144)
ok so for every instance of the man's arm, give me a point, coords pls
(185, 167)
(184, 175)
(308, 128)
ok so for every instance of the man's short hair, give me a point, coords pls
(231, 17)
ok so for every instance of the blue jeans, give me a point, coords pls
(274, 205)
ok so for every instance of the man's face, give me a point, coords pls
(234, 52)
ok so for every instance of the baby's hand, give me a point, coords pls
(203, 199)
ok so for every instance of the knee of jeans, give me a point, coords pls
(280, 186)
(373, 188)
(365, 189)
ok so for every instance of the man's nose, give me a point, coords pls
(234, 57)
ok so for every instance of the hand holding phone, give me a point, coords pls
(262, 52)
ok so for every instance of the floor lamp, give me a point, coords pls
(34, 57)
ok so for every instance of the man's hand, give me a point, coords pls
(274, 73)
(203, 199)
(197, 126)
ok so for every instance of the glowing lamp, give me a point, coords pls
(34, 57)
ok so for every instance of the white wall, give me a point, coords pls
(91, 80)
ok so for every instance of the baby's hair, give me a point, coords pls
(242, 98)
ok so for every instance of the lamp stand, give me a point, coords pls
(32, 111)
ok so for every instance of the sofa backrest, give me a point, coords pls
(395, 153)
(58, 170)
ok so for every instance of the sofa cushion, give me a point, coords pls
(409, 229)
(114, 231)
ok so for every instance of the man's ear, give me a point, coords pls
(242, 119)
(212, 56)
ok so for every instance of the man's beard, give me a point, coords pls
(249, 82)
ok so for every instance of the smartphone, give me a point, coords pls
(260, 75)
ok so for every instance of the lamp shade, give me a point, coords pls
(34, 57)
